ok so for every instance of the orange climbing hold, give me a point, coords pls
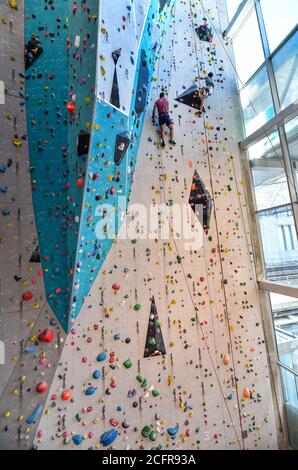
(226, 360)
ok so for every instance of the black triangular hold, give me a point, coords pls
(190, 97)
(83, 143)
(154, 342)
(33, 50)
(162, 4)
(204, 33)
(116, 54)
(199, 195)
(121, 146)
(35, 257)
(115, 97)
(143, 84)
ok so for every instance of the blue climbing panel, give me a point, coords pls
(70, 189)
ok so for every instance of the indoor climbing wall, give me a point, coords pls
(168, 351)
(71, 59)
(60, 86)
(24, 313)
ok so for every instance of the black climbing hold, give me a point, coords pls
(154, 342)
(83, 143)
(162, 4)
(143, 84)
(204, 32)
(121, 146)
(35, 257)
(115, 98)
(190, 97)
(199, 195)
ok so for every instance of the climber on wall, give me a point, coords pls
(163, 107)
(206, 91)
(32, 50)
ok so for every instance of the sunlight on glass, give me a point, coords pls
(248, 50)
(280, 17)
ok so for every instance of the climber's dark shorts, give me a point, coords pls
(165, 119)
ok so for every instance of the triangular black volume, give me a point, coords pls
(33, 50)
(154, 342)
(35, 257)
(116, 54)
(190, 97)
(200, 195)
(121, 146)
(115, 97)
(143, 84)
(83, 143)
(162, 4)
(204, 33)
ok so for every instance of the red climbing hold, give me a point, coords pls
(66, 395)
(41, 387)
(71, 107)
(46, 336)
(80, 182)
(116, 286)
(27, 295)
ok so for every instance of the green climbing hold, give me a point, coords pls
(137, 307)
(146, 431)
(140, 378)
(155, 393)
(127, 364)
(145, 383)
(152, 342)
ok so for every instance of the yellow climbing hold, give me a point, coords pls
(13, 4)
(17, 142)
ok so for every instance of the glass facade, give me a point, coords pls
(247, 43)
(265, 47)
(280, 18)
(256, 101)
(285, 65)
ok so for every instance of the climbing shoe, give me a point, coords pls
(172, 142)
(163, 143)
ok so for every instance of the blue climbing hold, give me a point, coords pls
(90, 390)
(109, 437)
(77, 439)
(96, 374)
(173, 431)
(101, 357)
(34, 415)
